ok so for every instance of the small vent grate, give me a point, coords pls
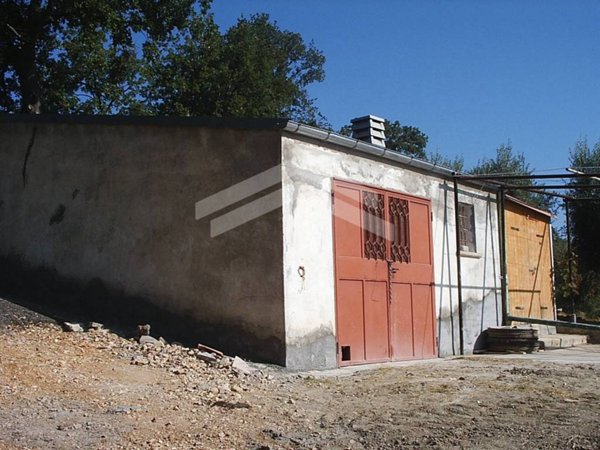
(346, 353)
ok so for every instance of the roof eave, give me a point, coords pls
(365, 147)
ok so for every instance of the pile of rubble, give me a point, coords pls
(220, 377)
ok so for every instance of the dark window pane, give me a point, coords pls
(466, 227)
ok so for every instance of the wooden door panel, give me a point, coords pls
(348, 240)
(423, 330)
(401, 316)
(416, 273)
(414, 333)
(525, 303)
(543, 282)
(376, 321)
(359, 269)
(420, 250)
(350, 322)
(529, 265)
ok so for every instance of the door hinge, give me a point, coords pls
(431, 212)
(337, 348)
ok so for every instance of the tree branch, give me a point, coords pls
(14, 31)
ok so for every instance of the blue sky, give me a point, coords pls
(470, 74)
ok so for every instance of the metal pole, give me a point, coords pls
(491, 176)
(553, 274)
(458, 269)
(579, 325)
(570, 260)
(503, 268)
(533, 187)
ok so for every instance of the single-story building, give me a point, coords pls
(276, 240)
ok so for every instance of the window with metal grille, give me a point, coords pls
(466, 227)
(373, 225)
(400, 233)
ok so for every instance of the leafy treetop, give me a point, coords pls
(585, 214)
(152, 57)
(508, 162)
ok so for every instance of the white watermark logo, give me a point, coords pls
(345, 209)
(236, 193)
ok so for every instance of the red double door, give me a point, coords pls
(384, 275)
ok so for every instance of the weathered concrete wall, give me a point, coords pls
(482, 304)
(308, 171)
(115, 204)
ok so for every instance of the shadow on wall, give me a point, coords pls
(480, 343)
(44, 290)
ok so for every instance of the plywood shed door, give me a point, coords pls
(384, 275)
(529, 265)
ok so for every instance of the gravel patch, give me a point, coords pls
(15, 314)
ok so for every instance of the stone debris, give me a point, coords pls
(95, 326)
(72, 327)
(206, 349)
(139, 360)
(202, 369)
(146, 339)
(207, 357)
(123, 409)
(241, 367)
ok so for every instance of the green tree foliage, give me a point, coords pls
(254, 70)
(346, 130)
(152, 57)
(79, 56)
(585, 214)
(404, 139)
(567, 279)
(457, 164)
(582, 285)
(507, 162)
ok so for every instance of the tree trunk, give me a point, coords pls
(25, 62)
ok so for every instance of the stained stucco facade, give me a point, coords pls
(309, 169)
(110, 203)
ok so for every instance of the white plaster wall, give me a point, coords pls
(307, 173)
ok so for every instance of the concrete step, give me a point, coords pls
(543, 330)
(562, 340)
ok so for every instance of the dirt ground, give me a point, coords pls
(97, 390)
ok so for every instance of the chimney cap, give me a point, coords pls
(369, 128)
(367, 117)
